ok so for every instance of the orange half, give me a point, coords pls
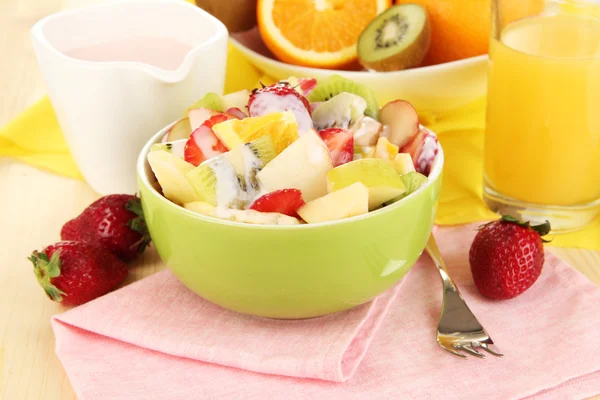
(316, 33)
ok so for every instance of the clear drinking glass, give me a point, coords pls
(542, 141)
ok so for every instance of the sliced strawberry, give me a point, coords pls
(203, 144)
(307, 85)
(340, 143)
(281, 97)
(216, 119)
(284, 201)
(236, 113)
(423, 149)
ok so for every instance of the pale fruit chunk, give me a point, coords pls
(247, 216)
(182, 129)
(303, 165)
(363, 152)
(216, 182)
(403, 163)
(347, 202)
(341, 111)
(281, 126)
(176, 148)
(385, 150)
(366, 131)
(237, 99)
(376, 174)
(170, 172)
(198, 116)
(402, 121)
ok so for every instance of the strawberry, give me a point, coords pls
(507, 256)
(340, 143)
(203, 143)
(423, 148)
(306, 85)
(74, 273)
(284, 201)
(281, 97)
(114, 222)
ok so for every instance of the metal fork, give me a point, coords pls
(458, 329)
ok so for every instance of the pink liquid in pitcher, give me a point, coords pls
(164, 53)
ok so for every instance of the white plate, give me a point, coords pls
(435, 88)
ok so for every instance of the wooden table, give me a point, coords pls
(34, 205)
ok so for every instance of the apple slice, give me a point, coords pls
(376, 174)
(402, 121)
(180, 130)
(236, 112)
(237, 99)
(302, 165)
(170, 173)
(348, 202)
(198, 116)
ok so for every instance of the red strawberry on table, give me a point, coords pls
(507, 256)
(114, 222)
(284, 201)
(203, 144)
(281, 97)
(74, 273)
(340, 143)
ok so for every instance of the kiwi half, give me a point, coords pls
(396, 39)
(335, 84)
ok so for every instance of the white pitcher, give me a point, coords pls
(109, 100)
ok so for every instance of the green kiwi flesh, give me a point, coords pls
(335, 84)
(396, 39)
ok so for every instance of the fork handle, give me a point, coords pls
(434, 252)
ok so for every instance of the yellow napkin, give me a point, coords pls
(34, 137)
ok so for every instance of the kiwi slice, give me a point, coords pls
(229, 180)
(335, 84)
(396, 39)
(175, 147)
(341, 111)
(216, 182)
(248, 159)
(211, 100)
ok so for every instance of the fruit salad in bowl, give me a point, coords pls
(292, 200)
(296, 152)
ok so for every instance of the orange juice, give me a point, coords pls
(542, 142)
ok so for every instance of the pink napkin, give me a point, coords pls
(156, 340)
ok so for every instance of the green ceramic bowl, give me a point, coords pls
(297, 271)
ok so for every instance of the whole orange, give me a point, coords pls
(461, 28)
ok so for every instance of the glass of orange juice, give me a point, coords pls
(542, 140)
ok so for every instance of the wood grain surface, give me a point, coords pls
(34, 205)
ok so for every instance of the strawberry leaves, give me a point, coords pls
(45, 270)
(138, 224)
(542, 229)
